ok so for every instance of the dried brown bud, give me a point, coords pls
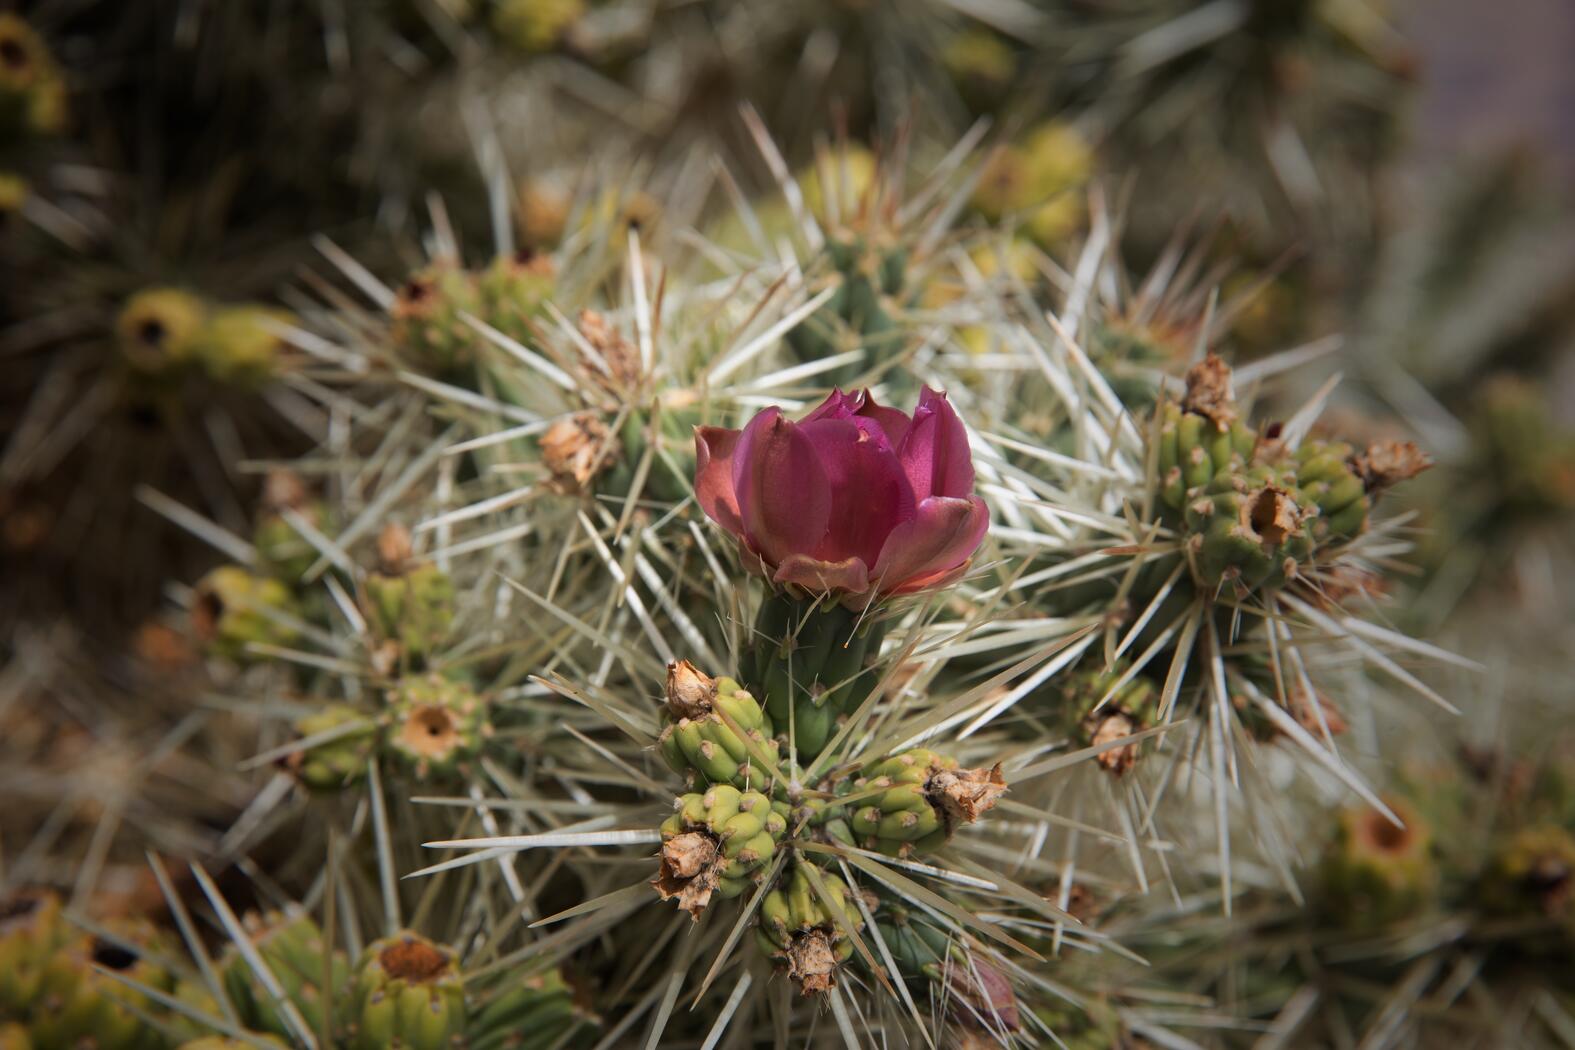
(283, 488)
(1106, 726)
(394, 550)
(811, 962)
(1388, 463)
(575, 450)
(689, 690)
(620, 356)
(963, 795)
(1307, 709)
(1209, 393)
(691, 867)
(1270, 515)
(162, 647)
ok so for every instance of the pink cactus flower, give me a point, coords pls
(854, 498)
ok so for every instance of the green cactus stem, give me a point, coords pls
(812, 664)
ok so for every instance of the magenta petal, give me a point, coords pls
(893, 422)
(870, 495)
(939, 540)
(850, 576)
(784, 498)
(935, 451)
(836, 406)
(714, 449)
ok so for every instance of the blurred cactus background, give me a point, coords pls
(787, 523)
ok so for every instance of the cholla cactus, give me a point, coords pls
(603, 662)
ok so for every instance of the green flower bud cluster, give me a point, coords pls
(807, 930)
(1254, 510)
(1532, 873)
(429, 329)
(538, 1013)
(919, 798)
(1039, 182)
(716, 732)
(810, 664)
(339, 762)
(281, 549)
(231, 611)
(535, 25)
(1374, 872)
(410, 601)
(292, 948)
(1324, 476)
(1131, 709)
(715, 843)
(32, 89)
(164, 331)
(1521, 445)
(720, 842)
(1251, 527)
(77, 1003)
(31, 931)
(867, 276)
(436, 725)
(432, 727)
(407, 992)
(1194, 450)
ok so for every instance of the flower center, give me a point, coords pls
(1386, 836)
(430, 731)
(151, 332)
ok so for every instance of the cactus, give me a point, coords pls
(428, 329)
(919, 799)
(1530, 873)
(241, 344)
(810, 663)
(32, 89)
(410, 600)
(292, 948)
(231, 612)
(1129, 710)
(338, 763)
(535, 25)
(31, 931)
(715, 843)
(708, 722)
(1038, 182)
(806, 928)
(407, 992)
(76, 1002)
(537, 1013)
(160, 328)
(436, 725)
(1376, 871)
